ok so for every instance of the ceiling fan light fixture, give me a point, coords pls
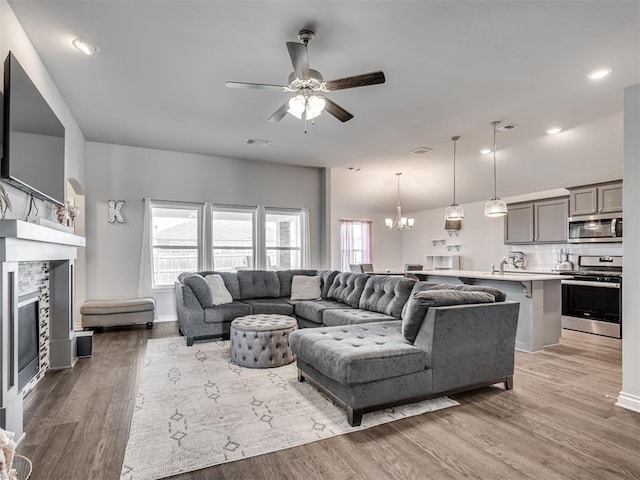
(297, 106)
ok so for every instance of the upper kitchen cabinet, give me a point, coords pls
(518, 223)
(541, 221)
(594, 199)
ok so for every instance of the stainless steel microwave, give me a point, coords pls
(595, 228)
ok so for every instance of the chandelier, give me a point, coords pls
(495, 207)
(399, 223)
(454, 211)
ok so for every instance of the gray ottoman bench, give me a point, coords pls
(262, 341)
(110, 313)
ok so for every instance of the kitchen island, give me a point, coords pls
(540, 297)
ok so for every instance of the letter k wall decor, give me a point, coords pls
(115, 211)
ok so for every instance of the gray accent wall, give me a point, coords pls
(119, 172)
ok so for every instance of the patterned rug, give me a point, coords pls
(195, 408)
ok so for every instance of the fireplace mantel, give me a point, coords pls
(22, 241)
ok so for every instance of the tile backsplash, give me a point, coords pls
(544, 257)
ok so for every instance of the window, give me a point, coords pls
(233, 238)
(355, 243)
(237, 238)
(175, 234)
(284, 239)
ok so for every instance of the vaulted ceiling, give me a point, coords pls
(451, 68)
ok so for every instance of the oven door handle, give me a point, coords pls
(583, 283)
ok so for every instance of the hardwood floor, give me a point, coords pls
(559, 422)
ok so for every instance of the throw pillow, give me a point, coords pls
(305, 287)
(218, 289)
(419, 303)
(200, 288)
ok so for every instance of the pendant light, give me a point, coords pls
(399, 223)
(454, 211)
(495, 207)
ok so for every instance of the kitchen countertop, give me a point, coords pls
(505, 277)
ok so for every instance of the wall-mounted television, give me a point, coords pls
(33, 138)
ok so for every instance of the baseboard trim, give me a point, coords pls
(629, 401)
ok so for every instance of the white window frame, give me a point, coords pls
(303, 214)
(199, 207)
(253, 210)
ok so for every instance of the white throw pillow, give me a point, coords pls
(218, 289)
(305, 287)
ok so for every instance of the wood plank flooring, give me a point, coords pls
(559, 422)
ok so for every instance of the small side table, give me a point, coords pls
(262, 340)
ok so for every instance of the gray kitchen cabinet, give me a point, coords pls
(550, 220)
(541, 221)
(593, 199)
(518, 224)
(610, 198)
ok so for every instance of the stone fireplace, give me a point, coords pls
(35, 261)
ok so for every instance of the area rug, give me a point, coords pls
(196, 408)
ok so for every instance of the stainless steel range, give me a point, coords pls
(592, 299)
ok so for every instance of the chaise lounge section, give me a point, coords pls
(373, 366)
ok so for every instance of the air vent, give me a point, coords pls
(506, 127)
(421, 150)
(257, 142)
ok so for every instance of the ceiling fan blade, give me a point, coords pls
(299, 59)
(373, 78)
(257, 86)
(337, 111)
(280, 113)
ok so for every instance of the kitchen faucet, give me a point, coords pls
(503, 262)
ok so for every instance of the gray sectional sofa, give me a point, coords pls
(378, 341)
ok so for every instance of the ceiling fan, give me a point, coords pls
(309, 87)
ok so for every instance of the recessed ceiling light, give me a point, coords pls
(486, 151)
(85, 46)
(554, 130)
(599, 73)
(421, 150)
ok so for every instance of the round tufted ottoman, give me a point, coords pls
(262, 341)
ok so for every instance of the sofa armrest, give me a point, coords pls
(189, 309)
(469, 344)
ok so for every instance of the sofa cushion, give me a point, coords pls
(218, 289)
(499, 295)
(304, 287)
(226, 312)
(419, 304)
(387, 295)
(347, 288)
(230, 281)
(286, 277)
(200, 288)
(351, 316)
(327, 277)
(258, 284)
(358, 353)
(312, 309)
(270, 306)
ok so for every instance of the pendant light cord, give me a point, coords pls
(398, 175)
(455, 139)
(495, 188)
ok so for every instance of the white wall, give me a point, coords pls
(129, 173)
(630, 394)
(14, 39)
